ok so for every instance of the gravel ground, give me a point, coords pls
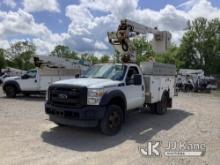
(27, 137)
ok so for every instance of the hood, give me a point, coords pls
(89, 82)
(12, 78)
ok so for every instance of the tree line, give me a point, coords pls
(199, 49)
(66, 52)
(20, 54)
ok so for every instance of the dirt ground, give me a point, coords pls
(27, 137)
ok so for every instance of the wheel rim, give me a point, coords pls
(114, 120)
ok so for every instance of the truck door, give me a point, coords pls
(134, 93)
(29, 81)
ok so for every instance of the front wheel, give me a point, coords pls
(112, 121)
(10, 91)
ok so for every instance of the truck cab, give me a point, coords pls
(102, 96)
(36, 80)
(25, 83)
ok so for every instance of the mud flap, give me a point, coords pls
(169, 103)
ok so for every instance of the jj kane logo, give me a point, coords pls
(172, 148)
(152, 149)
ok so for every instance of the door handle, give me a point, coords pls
(35, 81)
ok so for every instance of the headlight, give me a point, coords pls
(95, 92)
(94, 96)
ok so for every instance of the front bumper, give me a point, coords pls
(87, 116)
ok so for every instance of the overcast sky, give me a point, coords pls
(82, 24)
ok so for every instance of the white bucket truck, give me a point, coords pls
(48, 70)
(103, 95)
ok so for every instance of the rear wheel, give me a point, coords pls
(10, 91)
(112, 121)
(161, 106)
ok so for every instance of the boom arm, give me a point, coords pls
(127, 29)
(55, 62)
(136, 27)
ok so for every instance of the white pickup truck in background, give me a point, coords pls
(48, 70)
(103, 95)
(35, 81)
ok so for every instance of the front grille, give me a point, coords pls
(67, 96)
(65, 114)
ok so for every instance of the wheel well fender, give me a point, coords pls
(12, 83)
(115, 97)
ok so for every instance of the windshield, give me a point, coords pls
(106, 71)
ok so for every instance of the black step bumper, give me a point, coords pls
(87, 116)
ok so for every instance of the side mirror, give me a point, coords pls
(77, 76)
(137, 79)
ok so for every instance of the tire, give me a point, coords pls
(187, 89)
(10, 91)
(112, 121)
(161, 107)
(196, 90)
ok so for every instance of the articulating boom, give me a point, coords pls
(127, 29)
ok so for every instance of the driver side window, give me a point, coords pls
(30, 74)
(130, 75)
